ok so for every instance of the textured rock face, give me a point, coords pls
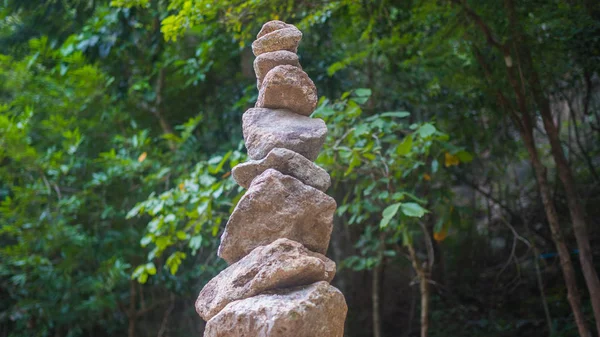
(266, 129)
(287, 162)
(278, 206)
(272, 26)
(277, 284)
(288, 87)
(317, 310)
(267, 61)
(283, 263)
(281, 39)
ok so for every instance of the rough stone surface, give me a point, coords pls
(278, 206)
(266, 129)
(281, 39)
(317, 310)
(267, 61)
(272, 26)
(283, 263)
(288, 87)
(287, 162)
(277, 281)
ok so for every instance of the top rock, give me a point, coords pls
(272, 26)
(286, 38)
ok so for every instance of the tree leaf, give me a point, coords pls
(150, 268)
(399, 114)
(388, 213)
(412, 209)
(143, 278)
(434, 165)
(362, 92)
(135, 210)
(145, 240)
(426, 130)
(464, 156)
(195, 243)
(405, 147)
(181, 235)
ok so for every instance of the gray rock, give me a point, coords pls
(287, 162)
(266, 129)
(281, 39)
(272, 26)
(283, 263)
(267, 61)
(278, 206)
(288, 87)
(318, 310)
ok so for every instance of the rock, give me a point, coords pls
(317, 310)
(267, 61)
(272, 26)
(288, 87)
(287, 162)
(283, 263)
(266, 129)
(278, 206)
(281, 39)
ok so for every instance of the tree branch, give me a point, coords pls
(480, 24)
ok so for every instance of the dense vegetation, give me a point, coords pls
(464, 149)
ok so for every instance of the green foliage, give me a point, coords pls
(120, 123)
(388, 162)
(189, 215)
(79, 152)
(54, 178)
(130, 3)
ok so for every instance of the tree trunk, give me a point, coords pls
(160, 79)
(376, 305)
(564, 170)
(577, 216)
(525, 126)
(563, 252)
(423, 276)
(424, 287)
(131, 313)
(375, 288)
(538, 274)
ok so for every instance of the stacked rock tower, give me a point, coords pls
(277, 282)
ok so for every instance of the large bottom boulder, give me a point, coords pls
(317, 310)
(281, 264)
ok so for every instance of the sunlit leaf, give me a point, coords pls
(426, 130)
(362, 92)
(142, 157)
(405, 147)
(146, 240)
(398, 114)
(150, 268)
(388, 213)
(413, 209)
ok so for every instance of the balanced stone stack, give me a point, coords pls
(277, 282)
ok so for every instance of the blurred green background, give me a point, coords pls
(121, 120)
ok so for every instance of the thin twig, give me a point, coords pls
(163, 326)
(429, 245)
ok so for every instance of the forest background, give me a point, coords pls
(464, 150)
